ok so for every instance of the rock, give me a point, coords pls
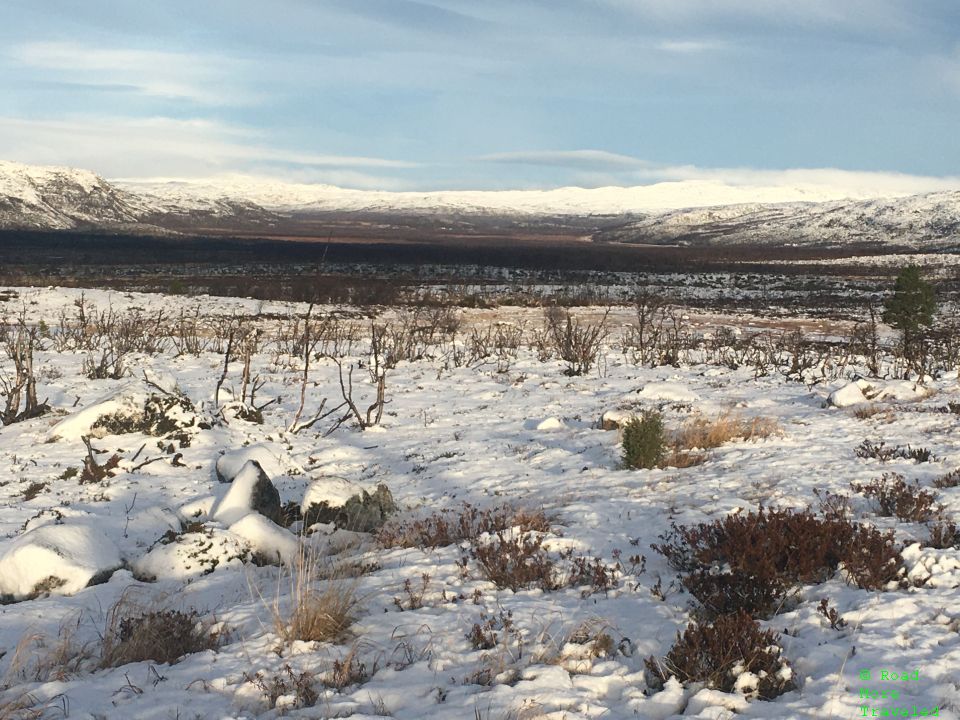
(250, 491)
(231, 463)
(614, 419)
(58, 559)
(347, 505)
(850, 394)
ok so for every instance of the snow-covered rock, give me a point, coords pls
(266, 538)
(231, 462)
(250, 491)
(850, 394)
(614, 419)
(346, 504)
(668, 392)
(60, 559)
(192, 554)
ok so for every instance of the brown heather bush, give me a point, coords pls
(943, 535)
(448, 527)
(895, 498)
(516, 562)
(134, 634)
(762, 554)
(716, 653)
(948, 480)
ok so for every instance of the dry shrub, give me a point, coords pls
(705, 433)
(948, 480)
(719, 653)
(323, 603)
(135, 633)
(516, 562)
(750, 560)
(865, 412)
(350, 670)
(595, 574)
(943, 535)
(895, 498)
(884, 453)
(448, 527)
(286, 683)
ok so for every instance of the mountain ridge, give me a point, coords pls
(61, 198)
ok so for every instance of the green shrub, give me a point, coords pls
(644, 442)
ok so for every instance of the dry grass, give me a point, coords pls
(701, 433)
(137, 631)
(322, 605)
(38, 658)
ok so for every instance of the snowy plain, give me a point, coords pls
(527, 435)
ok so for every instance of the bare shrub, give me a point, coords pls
(448, 527)
(135, 634)
(19, 390)
(516, 562)
(895, 498)
(831, 614)
(578, 344)
(486, 634)
(350, 670)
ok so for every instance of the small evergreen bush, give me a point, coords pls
(644, 442)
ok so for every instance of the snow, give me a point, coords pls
(232, 462)
(527, 437)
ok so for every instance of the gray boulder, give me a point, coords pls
(347, 505)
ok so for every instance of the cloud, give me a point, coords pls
(595, 168)
(579, 159)
(689, 47)
(161, 146)
(204, 79)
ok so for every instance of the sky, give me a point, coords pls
(488, 94)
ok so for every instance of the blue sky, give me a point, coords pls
(434, 94)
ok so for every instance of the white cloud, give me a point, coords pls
(127, 147)
(598, 167)
(204, 79)
(586, 159)
(689, 47)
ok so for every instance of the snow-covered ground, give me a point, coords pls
(527, 435)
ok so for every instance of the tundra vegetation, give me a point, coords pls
(426, 509)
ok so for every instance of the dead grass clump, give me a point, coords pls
(706, 433)
(895, 498)
(159, 635)
(350, 670)
(729, 654)
(323, 604)
(39, 659)
(748, 561)
(448, 527)
(866, 412)
(516, 562)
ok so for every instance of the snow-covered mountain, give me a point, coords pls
(695, 212)
(297, 198)
(59, 198)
